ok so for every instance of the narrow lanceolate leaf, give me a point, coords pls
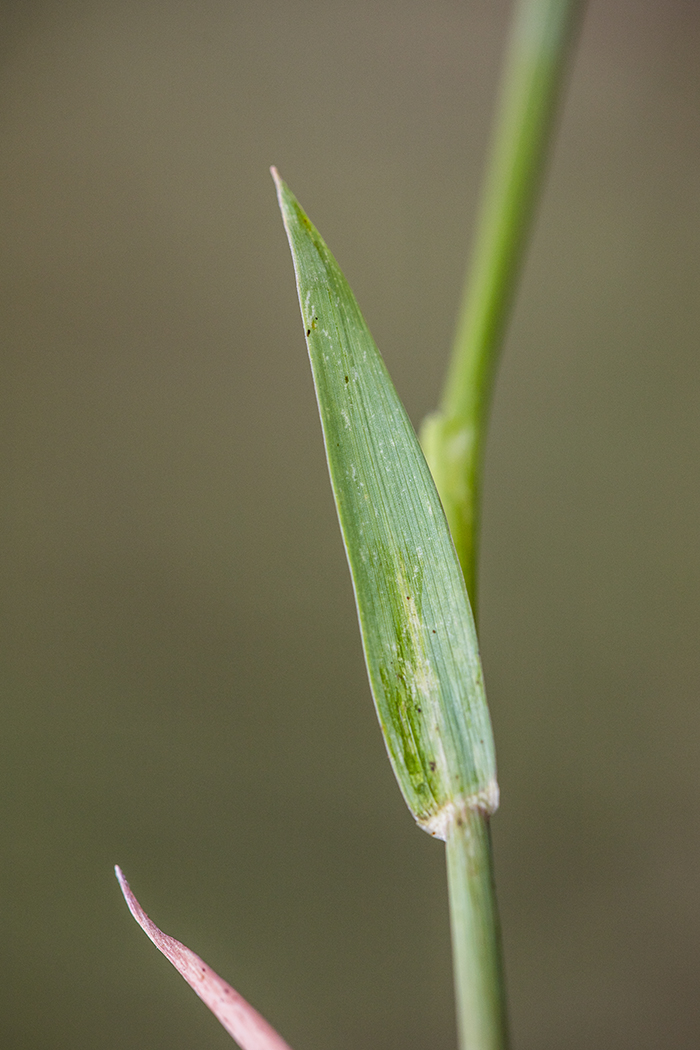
(417, 627)
(248, 1028)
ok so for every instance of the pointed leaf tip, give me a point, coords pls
(241, 1021)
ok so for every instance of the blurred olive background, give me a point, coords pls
(183, 689)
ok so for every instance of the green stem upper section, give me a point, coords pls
(453, 437)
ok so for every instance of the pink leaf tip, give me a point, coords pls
(241, 1021)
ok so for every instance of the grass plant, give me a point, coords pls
(413, 563)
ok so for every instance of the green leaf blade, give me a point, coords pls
(417, 627)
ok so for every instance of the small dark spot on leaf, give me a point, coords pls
(347, 379)
(432, 766)
(434, 632)
(419, 710)
(308, 331)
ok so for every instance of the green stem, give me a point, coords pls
(476, 942)
(453, 440)
(453, 437)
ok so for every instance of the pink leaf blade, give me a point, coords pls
(249, 1029)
